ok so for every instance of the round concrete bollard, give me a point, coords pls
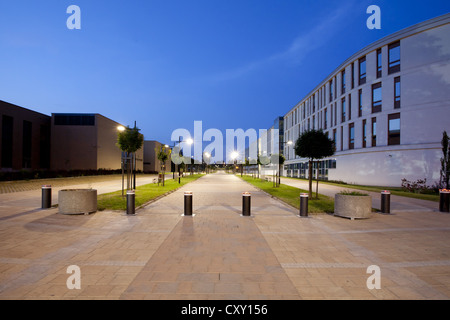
(246, 204)
(131, 202)
(444, 200)
(304, 204)
(46, 196)
(385, 201)
(188, 203)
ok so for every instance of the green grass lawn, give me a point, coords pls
(398, 191)
(144, 194)
(291, 195)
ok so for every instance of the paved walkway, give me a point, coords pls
(219, 254)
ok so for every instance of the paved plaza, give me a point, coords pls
(220, 254)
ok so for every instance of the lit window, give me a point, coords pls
(374, 132)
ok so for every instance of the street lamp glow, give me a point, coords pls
(289, 142)
(234, 155)
(207, 155)
(121, 128)
(189, 141)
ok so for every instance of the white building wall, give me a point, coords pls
(424, 110)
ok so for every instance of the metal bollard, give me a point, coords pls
(131, 197)
(444, 200)
(46, 196)
(304, 204)
(385, 201)
(188, 203)
(246, 203)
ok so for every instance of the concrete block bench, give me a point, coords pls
(77, 201)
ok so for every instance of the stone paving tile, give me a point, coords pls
(218, 254)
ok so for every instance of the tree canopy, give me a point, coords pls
(130, 140)
(314, 145)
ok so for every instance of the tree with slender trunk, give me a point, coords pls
(129, 141)
(163, 154)
(313, 145)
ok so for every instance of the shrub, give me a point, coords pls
(417, 186)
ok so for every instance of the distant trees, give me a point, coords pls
(313, 145)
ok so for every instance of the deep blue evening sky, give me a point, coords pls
(232, 64)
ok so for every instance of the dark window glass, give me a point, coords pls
(343, 82)
(374, 132)
(349, 107)
(343, 110)
(342, 138)
(362, 71)
(394, 129)
(397, 93)
(394, 57)
(26, 144)
(74, 119)
(353, 75)
(7, 141)
(364, 133)
(360, 106)
(351, 136)
(379, 64)
(325, 118)
(331, 90)
(377, 97)
(44, 147)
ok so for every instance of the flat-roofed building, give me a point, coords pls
(86, 142)
(24, 138)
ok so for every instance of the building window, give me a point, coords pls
(379, 63)
(343, 81)
(331, 90)
(397, 93)
(394, 57)
(394, 129)
(314, 123)
(351, 136)
(334, 137)
(360, 105)
(7, 141)
(343, 110)
(353, 75)
(374, 132)
(335, 113)
(342, 138)
(349, 107)
(325, 119)
(377, 97)
(26, 144)
(364, 133)
(74, 120)
(44, 147)
(362, 70)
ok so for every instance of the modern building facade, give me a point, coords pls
(24, 137)
(385, 107)
(86, 142)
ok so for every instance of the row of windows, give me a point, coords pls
(346, 108)
(393, 133)
(393, 137)
(308, 107)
